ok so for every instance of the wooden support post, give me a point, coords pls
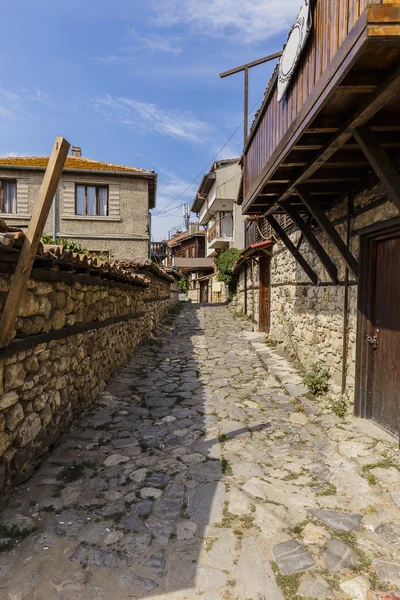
(379, 161)
(35, 230)
(327, 263)
(246, 105)
(328, 228)
(292, 249)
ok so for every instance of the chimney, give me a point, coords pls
(76, 151)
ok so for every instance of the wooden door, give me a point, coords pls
(265, 293)
(385, 327)
(203, 292)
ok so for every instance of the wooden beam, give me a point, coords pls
(327, 263)
(250, 65)
(329, 229)
(292, 249)
(246, 105)
(380, 162)
(389, 90)
(35, 230)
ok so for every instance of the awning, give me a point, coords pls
(253, 251)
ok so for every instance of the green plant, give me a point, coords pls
(9, 536)
(225, 262)
(339, 406)
(183, 285)
(316, 379)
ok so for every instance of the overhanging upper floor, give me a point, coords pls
(344, 97)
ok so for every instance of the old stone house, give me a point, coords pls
(102, 206)
(187, 252)
(321, 196)
(218, 211)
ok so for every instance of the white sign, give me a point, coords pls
(294, 48)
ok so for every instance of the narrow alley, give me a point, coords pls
(197, 475)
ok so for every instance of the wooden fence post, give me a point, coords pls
(32, 240)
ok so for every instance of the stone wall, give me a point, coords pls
(45, 383)
(307, 321)
(248, 284)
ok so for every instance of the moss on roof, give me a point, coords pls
(72, 162)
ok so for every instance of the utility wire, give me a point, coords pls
(164, 210)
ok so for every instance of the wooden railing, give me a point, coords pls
(261, 230)
(333, 20)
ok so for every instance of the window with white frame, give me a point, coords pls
(8, 196)
(91, 200)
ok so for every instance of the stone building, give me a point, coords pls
(101, 206)
(187, 252)
(321, 196)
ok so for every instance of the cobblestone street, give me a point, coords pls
(197, 474)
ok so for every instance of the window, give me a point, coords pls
(8, 196)
(91, 200)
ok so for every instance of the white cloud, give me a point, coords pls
(155, 43)
(147, 116)
(10, 103)
(40, 96)
(247, 20)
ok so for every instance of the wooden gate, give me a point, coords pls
(203, 292)
(379, 330)
(265, 293)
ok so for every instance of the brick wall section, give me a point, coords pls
(43, 388)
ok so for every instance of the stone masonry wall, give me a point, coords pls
(238, 303)
(43, 388)
(307, 321)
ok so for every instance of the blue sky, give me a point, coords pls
(136, 82)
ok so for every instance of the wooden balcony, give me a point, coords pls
(346, 89)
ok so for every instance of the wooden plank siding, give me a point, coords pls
(333, 22)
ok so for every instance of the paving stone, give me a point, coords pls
(315, 587)
(339, 521)
(93, 556)
(247, 469)
(166, 512)
(395, 497)
(142, 508)
(70, 580)
(386, 596)
(292, 558)
(133, 523)
(205, 505)
(314, 535)
(185, 530)
(138, 585)
(115, 459)
(254, 575)
(222, 553)
(150, 492)
(387, 572)
(208, 471)
(339, 555)
(156, 564)
(390, 532)
(209, 579)
(356, 588)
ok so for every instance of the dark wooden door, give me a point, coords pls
(265, 293)
(203, 292)
(385, 325)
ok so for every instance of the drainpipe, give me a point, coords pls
(350, 208)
